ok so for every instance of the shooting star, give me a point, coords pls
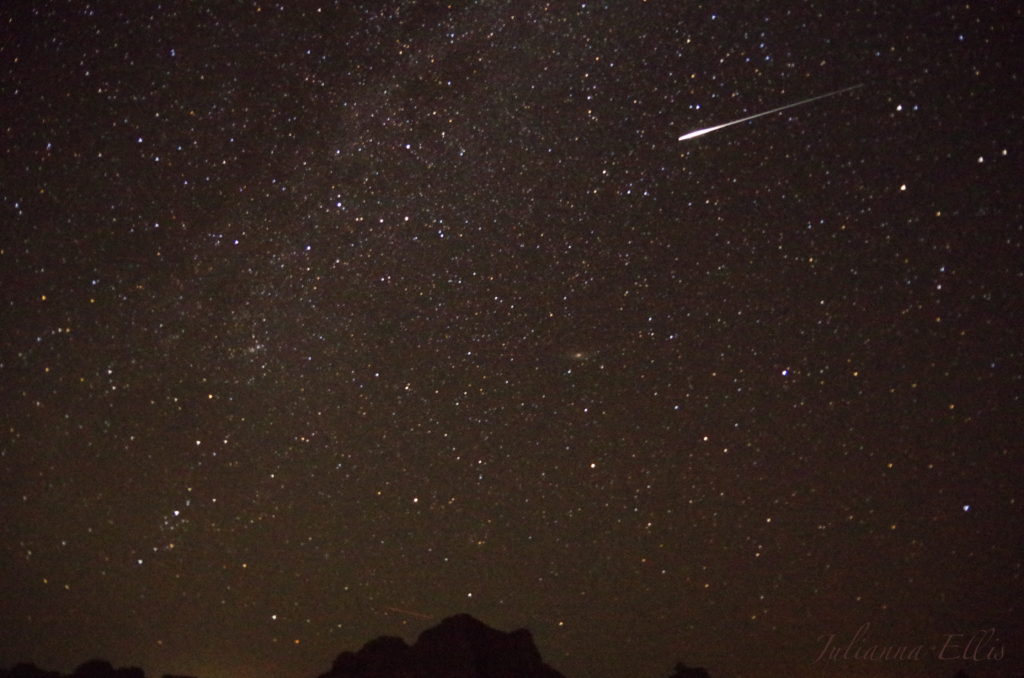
(410, 613)
(706, 130)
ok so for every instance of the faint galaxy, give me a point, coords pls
(326, 321)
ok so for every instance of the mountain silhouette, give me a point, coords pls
(94, 668)
(684, 671)
(458, 647)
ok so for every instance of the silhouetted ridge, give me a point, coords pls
(684, 671)
(28, 671)
(94, 668)
(458, 647)
(99, 668)
(381, 656)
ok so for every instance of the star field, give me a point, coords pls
(325, 321)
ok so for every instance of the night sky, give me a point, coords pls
(326, 321)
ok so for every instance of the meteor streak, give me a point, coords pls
(411, 613)
(706, 130)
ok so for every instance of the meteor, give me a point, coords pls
(706, 130)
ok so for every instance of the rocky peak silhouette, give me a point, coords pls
(458, 647)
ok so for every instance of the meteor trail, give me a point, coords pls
(706, 130)
(411, 613)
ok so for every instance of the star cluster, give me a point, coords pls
(323, 321)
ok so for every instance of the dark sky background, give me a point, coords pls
(324, 321)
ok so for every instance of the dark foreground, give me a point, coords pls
(458, 647)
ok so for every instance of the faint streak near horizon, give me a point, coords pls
(411, 613)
